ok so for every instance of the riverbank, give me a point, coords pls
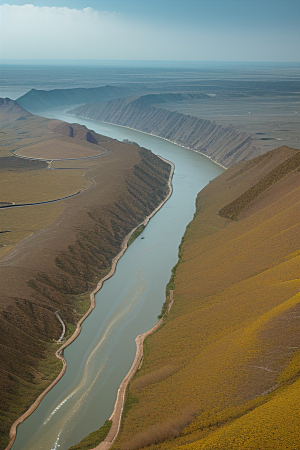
(59, 352)
(229, 348)
(149, 134)
(116, 416)
(168, 140)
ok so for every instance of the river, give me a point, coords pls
(127, 305)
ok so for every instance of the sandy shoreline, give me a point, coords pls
(59, 352)
(116, 416)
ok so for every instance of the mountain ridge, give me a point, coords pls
(38, 100)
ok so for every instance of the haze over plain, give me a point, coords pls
(215, 30)
(217, 76)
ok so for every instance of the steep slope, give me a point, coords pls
(224, 145)
(39, 100)
(223, 372)
(11, 110)
(76, 131)
(53, 254)
(170, 97)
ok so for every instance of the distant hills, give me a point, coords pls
(11, 110)
(39, 100)
(225, 145)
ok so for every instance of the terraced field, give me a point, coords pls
(223, 371)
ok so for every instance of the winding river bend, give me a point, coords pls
(127, 305)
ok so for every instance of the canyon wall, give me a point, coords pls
(224, 145)
(55, 267)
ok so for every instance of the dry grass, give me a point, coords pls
(162, 431)
(232, 330)
(41, 185)
(233, 210)
(271, 426)
(60, 149)
(22, 222)
(154, 377)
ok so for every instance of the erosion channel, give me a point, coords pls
(127, 305)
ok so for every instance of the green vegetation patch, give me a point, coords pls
(233, 209)
(130, 401)
(94, 438)
(70, 329)
(136, 234)
(82, 303)
(171, 285)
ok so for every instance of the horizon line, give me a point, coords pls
(38, 61)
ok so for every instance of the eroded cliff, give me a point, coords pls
(224, 145)
(54, 254)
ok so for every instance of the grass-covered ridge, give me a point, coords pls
(233, 209)
(229, 348)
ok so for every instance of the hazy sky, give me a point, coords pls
(201, 30)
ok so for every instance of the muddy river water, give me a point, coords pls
(127, 305)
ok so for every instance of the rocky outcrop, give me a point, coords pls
(224, 145)
(77, 131)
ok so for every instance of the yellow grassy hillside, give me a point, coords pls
(222, 373)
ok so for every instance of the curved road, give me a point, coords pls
(19, 205)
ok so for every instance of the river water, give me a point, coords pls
(127, 305)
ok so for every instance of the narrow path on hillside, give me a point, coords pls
(19, 205)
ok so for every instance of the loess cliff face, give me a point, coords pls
(69, 246)
(224, 145)
(223, 372)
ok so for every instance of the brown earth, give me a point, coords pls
(56, 253)
(230, 345)
(11, 110)
(60, 149)
(77, 131)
